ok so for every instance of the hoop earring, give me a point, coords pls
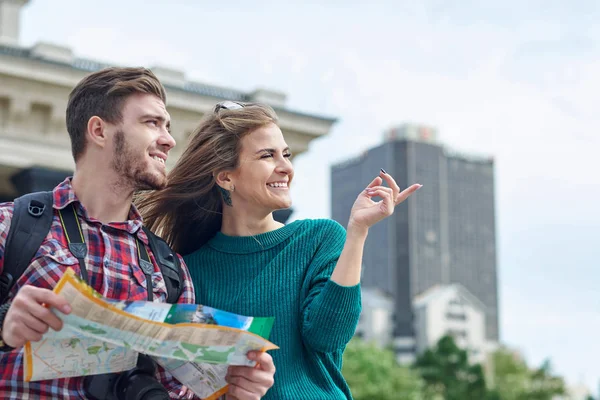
(226, 196)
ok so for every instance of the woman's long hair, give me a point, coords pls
(188, 211)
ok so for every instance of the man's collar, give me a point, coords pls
(64, 195)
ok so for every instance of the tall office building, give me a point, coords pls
(443, 234)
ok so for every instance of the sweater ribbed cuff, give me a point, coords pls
(340, 299)
(333, 317)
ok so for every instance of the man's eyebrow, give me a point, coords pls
(158, 117)
(154, 116)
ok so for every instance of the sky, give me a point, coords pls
(512, 80)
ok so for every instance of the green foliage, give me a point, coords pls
(444, 373)
(516, 381)
(446, 370)
(373, 373)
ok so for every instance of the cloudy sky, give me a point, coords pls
(519, 82)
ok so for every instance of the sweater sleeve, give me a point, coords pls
(330, 311)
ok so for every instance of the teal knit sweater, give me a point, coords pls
(285, 273)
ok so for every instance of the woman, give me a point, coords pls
(217, 211)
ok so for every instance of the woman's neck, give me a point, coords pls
(236, 223)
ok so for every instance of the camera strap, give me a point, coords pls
(78, 247)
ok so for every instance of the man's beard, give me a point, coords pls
(133, 170)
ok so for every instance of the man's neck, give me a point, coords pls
(104, 197)
(237, 222)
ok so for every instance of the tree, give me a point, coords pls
(514, 380)
(544, 385)
(373, 373)
(510, 375)
(447, 372)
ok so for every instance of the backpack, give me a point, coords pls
(30, 224)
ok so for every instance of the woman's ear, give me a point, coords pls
(224, 180)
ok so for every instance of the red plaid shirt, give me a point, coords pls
(113, 270)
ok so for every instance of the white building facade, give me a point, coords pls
(34, 86)
(451, 310)
(375, 324)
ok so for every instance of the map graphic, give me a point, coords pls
(195, 343)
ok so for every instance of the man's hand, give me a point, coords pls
(248, 383)
(29, 316)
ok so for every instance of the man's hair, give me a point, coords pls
(103, 94)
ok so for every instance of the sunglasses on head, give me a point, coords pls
(228, 105)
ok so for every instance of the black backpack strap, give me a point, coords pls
(146, 265)
(72, 229)
(30, 224)
(169, 265)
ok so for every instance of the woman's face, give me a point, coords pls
(263, 178)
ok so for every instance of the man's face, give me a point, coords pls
(141, 142)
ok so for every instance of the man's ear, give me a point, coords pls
(96, 131)
(224, 180)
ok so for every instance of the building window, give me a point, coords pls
(40, 118)
(4, 105)
(456, 316)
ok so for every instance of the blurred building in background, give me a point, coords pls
(35, 82)
(450, 309)
(443, 235)
(375, 324)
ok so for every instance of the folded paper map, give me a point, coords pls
(194, 343)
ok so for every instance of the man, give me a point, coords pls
(120, 139)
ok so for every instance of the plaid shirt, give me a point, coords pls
(113, 270)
